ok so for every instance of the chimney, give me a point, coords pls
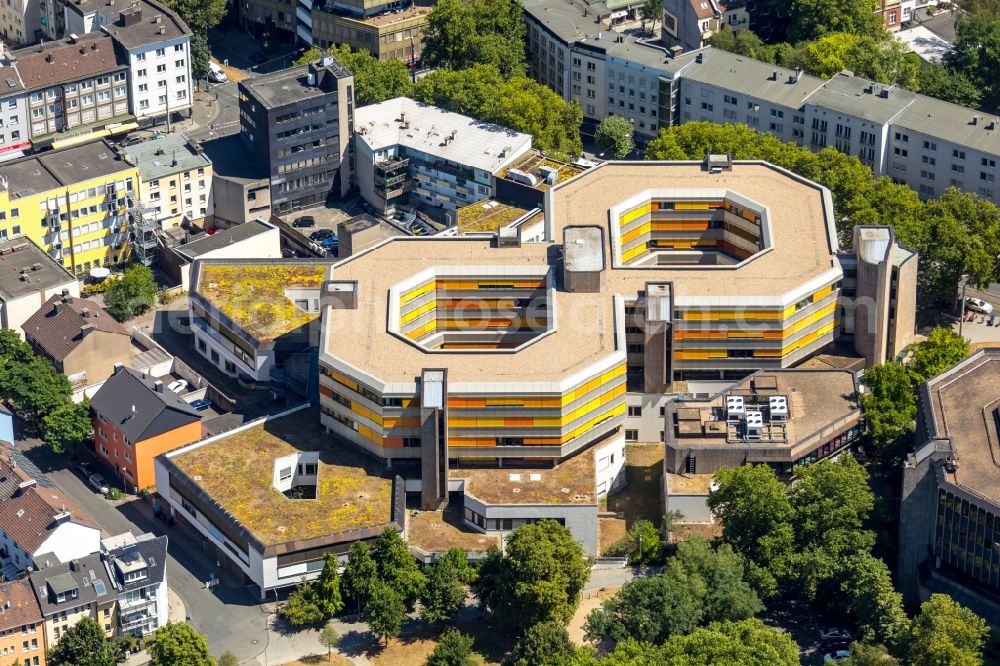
(85, 313)
(48, 58)
(56, 307)
(86, 330)
(699, 58)
(158, 386)
(64, 292)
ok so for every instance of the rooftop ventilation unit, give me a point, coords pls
(778, 407)
(735, 409)
(753, 424)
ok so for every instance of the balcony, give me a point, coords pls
(391, 166)
(136, 604)
(391, 191)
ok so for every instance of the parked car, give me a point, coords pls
(836, 657)
(132, 139)
(304, 221)
(834, 635)
(978, 305)
(99, 484)
(85, 469)
(215, 73)
(201, 404)
(330, 242)
(320, 234)
(178, 386)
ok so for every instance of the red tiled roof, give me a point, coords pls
(56, 326)
(18, 605)
(61, 62)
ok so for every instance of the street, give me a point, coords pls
(228, 615)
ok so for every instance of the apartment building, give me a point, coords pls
(75, 88)
(136, 418)
(28, 278)
(72, 590)
(80, 339)
(72, 203)
(14, 129)
(38, 522)
(388, 34)
(689, 23)
(406, 151)
(920, 141)
(299, 123)
(22, 632)
(21, 22)
(950, 500)
(175, 179)
(648, 279)
(138, 567)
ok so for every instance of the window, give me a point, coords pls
(631, 435)
(178, 48)
(160, 53)
(958, 154)
(989, 163)
(930, 145)
(141, 73)
(928, 160)
(634, 410)
(178, 63)
(160, 69)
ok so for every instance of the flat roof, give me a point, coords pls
(288, 86)
(61, 168)
(231, 161)
(426, 128)
(172, 153)
(571, 481)
(224, 238)
(236, 472)
(861, 98)
(21, 253)
(816, 399)
(961, 406)
(252, 293)
(803, 250)
(154, 18)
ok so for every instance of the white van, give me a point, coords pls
(215, 73)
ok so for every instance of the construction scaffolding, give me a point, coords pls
(136, 224)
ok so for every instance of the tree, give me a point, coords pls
(942, 82)
(869, 655)
(942, 349)
(462, 33)
(866, 587)
(889, 405)
(454, 649)
(374, 80)
(228, 658)
(539, 579)
(385, 611)
(830, 499)
(67, 426)
(328, 638)
(544, 643)
(360, 575)
(699, 585)
(201, 55)
(761, 536)
(177, 644)
(652, 11)
(326, 590)
(976, 55)
(397, 567)
(132, 294)
(641, 544)
(945, 632)
(810, 19)
(447, 587)
(84, 644)
(614, 136)
(517, 102)
(201, 16)
(301, 609)
(34, 386)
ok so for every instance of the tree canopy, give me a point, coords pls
(539, 578)
(447, 586)
(132, 294)
(360, 575)
(316, 601)
(397, 568)
(463, 33)
(810, 19)
(453, 649)
(976, 54)
(374, 80)
(177, 644)
(385, 611)
(84, 644)
(544, 643)
(614, 137)
(945, 632)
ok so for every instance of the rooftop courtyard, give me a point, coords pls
(238, 472)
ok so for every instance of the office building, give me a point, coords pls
(28, 278)
(175, 179)
(22, 631)
(80, 339)
(406, 151)
(917, 140)
(271, 497)
(785, 419)
(74, 204)
(253, 317)
(299, 123)
(241, 188)
(650, 278)
(950, 500)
